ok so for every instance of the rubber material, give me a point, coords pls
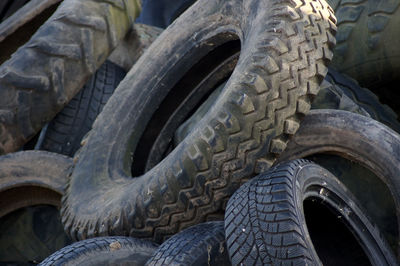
(354, 137)
(249, 125)
(31, 185)
(45, 73)
(161, 13)
(368, 43)
(65, 132)
(103, 251)
(202, 244)
(265, 221)
(343, 93)
(9, 7)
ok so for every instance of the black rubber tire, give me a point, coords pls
(265, 221)
(44, 74)
(343, 93)
(31, 185)
(65, 132)
(357, 138)
(111, 250)
(202, 244)
(368, 43)
(8, 7)
(161, 13)
(231, 141)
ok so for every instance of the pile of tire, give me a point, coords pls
(208, 132)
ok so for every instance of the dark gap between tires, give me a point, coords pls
(372, 194)
(30, 234)
(182, 101)
(332, 240)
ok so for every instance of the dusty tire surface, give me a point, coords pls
(65, 132)
(368, 43)
(202, 244)
(103, 251)
(45, 73)
(31, 185)
(338, 91)
(246, 128)
(361, 140)
(265, 221)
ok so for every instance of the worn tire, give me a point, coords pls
(368, 43)
(250, 123)
(359, 139)
(31, 185)
(161, 13)
(45, 73)
(343, 93)
(202, 244)
(116, 250)
(265, 221)
(65, 132)
(9, 7)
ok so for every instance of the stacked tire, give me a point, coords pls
(200, 149)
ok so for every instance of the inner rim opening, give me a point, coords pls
(181, 102)
(371, 192)
(333, 241)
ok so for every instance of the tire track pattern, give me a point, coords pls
(263, 110)
(45, 73)
(261, 221)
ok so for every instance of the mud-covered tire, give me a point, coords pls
(31, 185)
(43, 75)
(111, 250)
(65, 132)
(202, 244)
(265, 221)
(368, 43)
(249, 124)
(354, 137)
(343, 93)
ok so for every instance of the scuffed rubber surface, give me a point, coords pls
(65, 132)
(285, 48)
(45, 73)
(103, 251)
(202, 244)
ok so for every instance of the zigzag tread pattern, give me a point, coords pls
(255, 128)
(75, 26)
(261, 222)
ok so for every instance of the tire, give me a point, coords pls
(161, 13)
(45, 73)
(31, 185)
(367, 41)
(275, 219)
(343, 93)
(65, 132)
(202, 244)
(9, 7)
(364, 142)
(193, 180)
(103, 251)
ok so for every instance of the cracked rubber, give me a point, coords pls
(31, 185)
(368, 43)
(354, 137)
(103, 251)
(265, 221)
(202, 244)
(65, 132)
(43, 75)
(338, 91)
(244, 131)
